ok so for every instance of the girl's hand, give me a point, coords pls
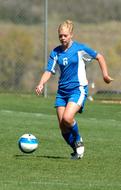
(39, 89)
(107, 79)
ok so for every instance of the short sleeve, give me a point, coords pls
(52, 62)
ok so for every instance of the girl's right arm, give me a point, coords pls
(45, 77)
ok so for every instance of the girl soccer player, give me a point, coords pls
(71, 57)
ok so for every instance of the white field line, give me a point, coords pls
(111, 101)
(92, 119)
(7, 182)
(52, 183)
(60, 183)
(26, 113)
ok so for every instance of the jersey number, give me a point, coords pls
(65, 61)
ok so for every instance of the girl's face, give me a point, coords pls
(65, 37)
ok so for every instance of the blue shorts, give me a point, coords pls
(78, 95)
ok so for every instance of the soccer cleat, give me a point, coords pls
(79, 148)
(75, 156)
(79, 152)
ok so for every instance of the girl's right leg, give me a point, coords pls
(65, 130)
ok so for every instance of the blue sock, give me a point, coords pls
(69, 138)
(75, 132)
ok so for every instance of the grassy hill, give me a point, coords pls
(104, 37)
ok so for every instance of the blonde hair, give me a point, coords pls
(66, 24)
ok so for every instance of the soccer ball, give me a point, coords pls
(28, 143)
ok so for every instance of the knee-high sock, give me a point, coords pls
(75, 132)
(69, 138)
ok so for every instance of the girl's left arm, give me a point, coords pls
(103, 66)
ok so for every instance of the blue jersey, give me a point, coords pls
(71, 64)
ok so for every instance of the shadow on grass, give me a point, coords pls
(31, 156)
(52, 157)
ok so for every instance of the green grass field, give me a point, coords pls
(50, 167)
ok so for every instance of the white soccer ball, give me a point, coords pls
(28, 143)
